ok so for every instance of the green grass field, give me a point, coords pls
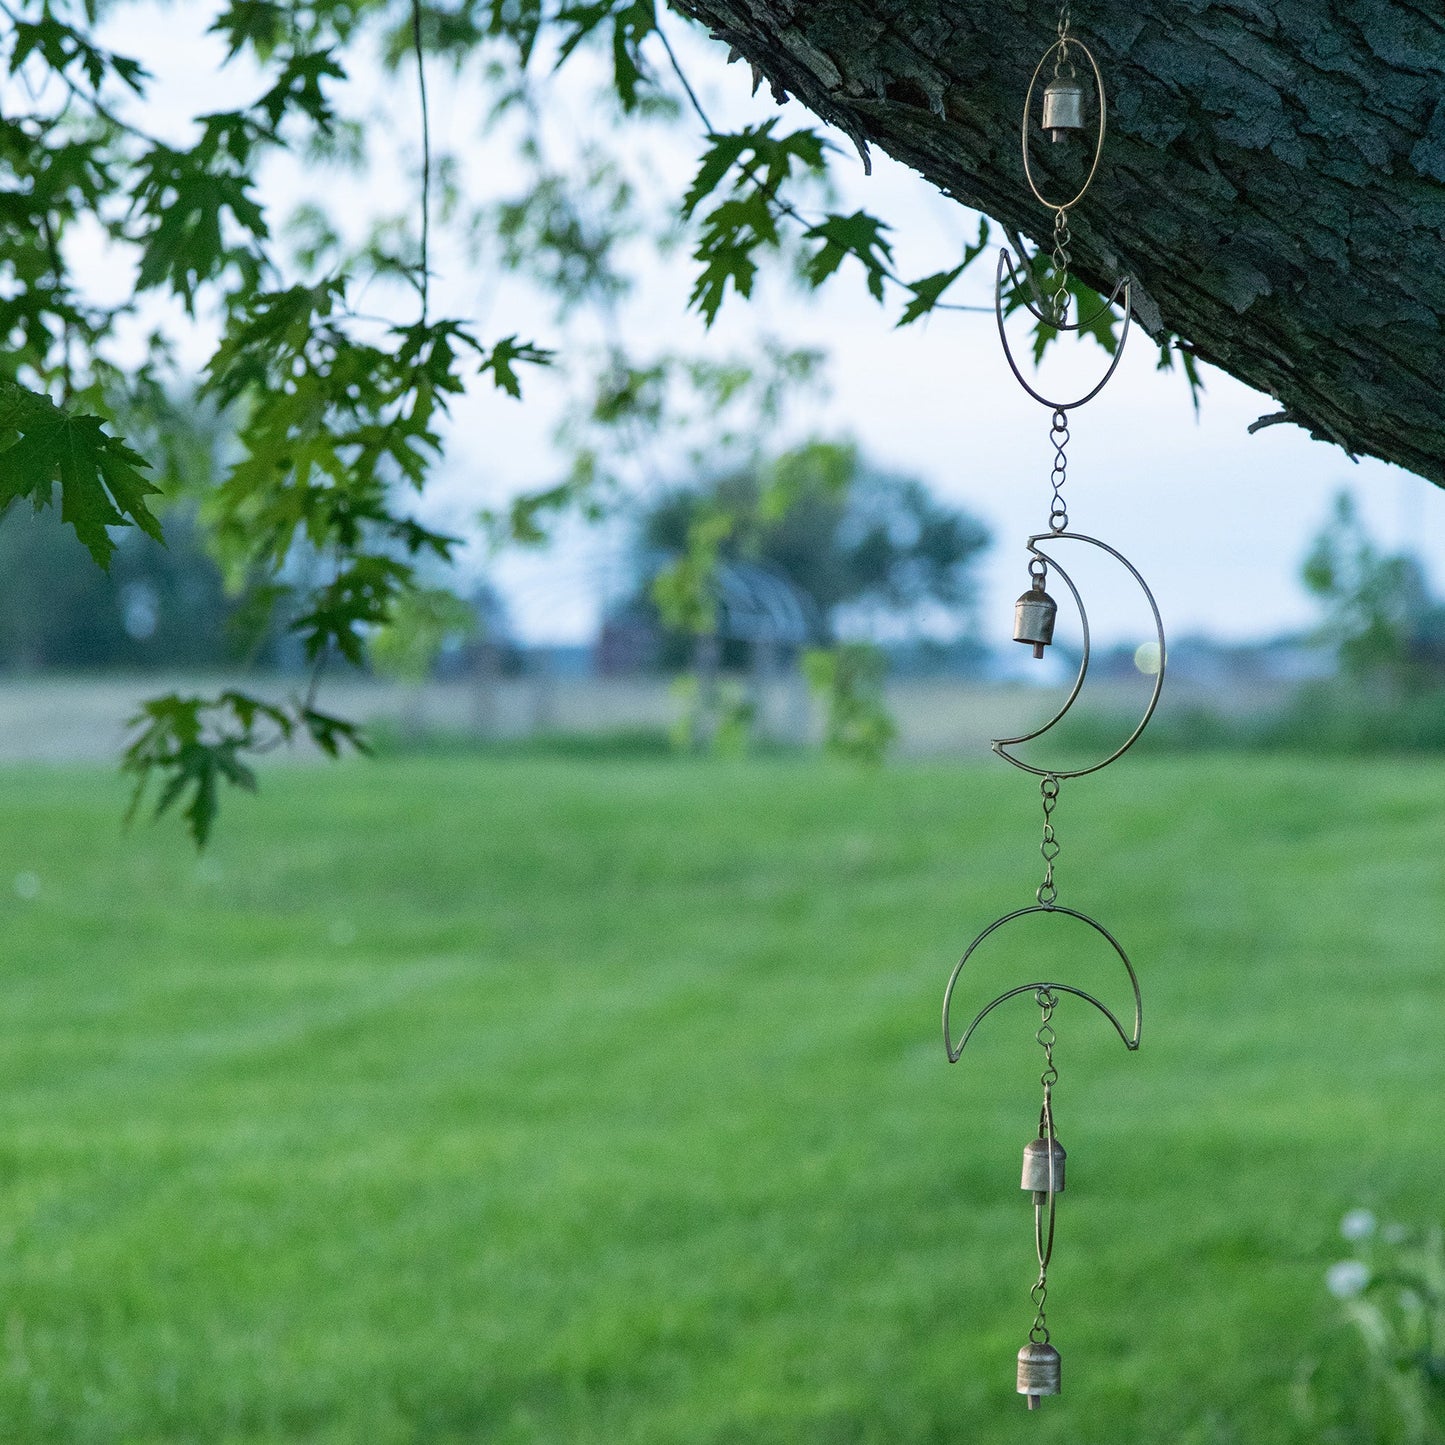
(516, 1100)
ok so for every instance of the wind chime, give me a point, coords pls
(1064, 111)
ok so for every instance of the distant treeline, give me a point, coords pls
(157, 607)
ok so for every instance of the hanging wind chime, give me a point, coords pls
(1064, 112)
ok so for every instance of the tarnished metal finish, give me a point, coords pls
(1060, 52)
(1001, 745)
(1064, 113)
(1056, 910)
(1063, 108)
(1034, 616)
(1042, 1174)
(1040, 1371)
(1123, 293)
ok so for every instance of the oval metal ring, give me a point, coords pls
(1005, 263)
(1131, 1042)
(1001, 745)
(1042, 199)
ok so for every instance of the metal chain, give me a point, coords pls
(1047, 893)
(1039, 1332)
(1046, 1038)
(1063, 66)
(1058, 507)
(1062, 256)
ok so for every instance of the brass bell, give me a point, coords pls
(1034, 615)
(1063, 107)
(1036, 1167)
(1038, 1372)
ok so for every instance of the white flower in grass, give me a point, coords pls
(1348, 1278)
(1358, 1224)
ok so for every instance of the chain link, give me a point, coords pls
(1039, 1332)
(1058, 507)
(1061, 257)
(1047, 893)
(1063, 66)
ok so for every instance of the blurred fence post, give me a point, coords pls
(486, 679)
(543, 690)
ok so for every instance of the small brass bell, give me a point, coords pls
(1038, 1372)
(1063, 107)
(1034, 615)
(1036, 1167)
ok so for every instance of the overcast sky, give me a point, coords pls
(1218, 520)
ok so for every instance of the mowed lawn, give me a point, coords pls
(510, 1100)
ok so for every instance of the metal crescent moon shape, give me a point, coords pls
(1017, 285)
(1039, 196)
(1002, 745)
(1005, 263)
(1131, 1041)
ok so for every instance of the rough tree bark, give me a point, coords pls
(1272, 180)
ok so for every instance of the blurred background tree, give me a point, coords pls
(1381, 620)
(792, 555)
(867, 548)
(157, 607)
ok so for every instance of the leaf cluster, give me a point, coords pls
(337, 418)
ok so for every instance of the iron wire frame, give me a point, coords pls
(1018, 285)
(1065, 43)
(1131, 1041)
(1126, 285)
(1001, 745)
(1044, 1247)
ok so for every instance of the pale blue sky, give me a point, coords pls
(1216, 519)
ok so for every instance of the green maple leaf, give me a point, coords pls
(101, 485)
(839, 237)
(504, 358)
(926, 293)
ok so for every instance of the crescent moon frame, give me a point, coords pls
(1002, 745)
(1130, 1040)
(1125, 284)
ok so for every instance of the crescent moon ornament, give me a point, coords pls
(1035, 612)
(1124, 285)
(1130, 1039)
(1002, 745)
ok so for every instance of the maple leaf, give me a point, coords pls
(101, 485)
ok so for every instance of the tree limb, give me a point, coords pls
(1272, 178)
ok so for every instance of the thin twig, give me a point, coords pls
(425, 157)
(678, 71)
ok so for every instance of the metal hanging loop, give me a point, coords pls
(1062, 46)
(1130, 1040)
